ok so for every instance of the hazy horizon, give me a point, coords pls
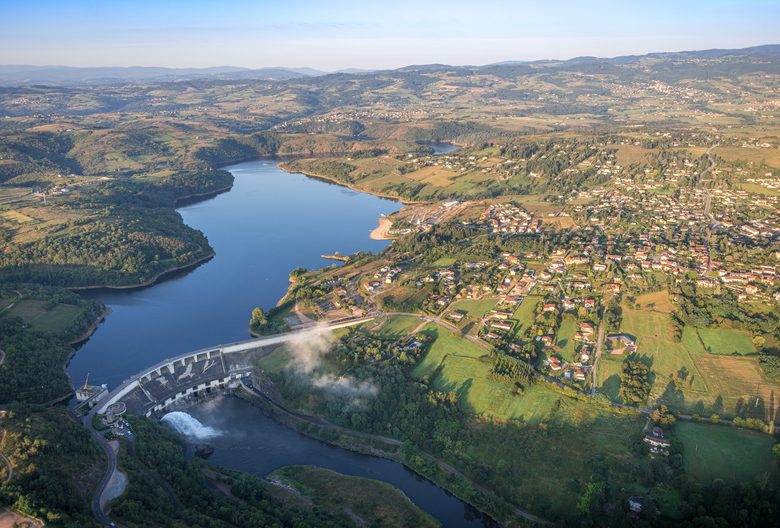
(304, 66)
(348, 34)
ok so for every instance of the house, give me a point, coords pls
(501, 325)
(658, 444)
(555, 363)
(636, 504)
(547, 340)
(456, 315)
(373, 285)
(589, 303)
(579, 374)
(549, 307)
(586, 327)
(621, 343)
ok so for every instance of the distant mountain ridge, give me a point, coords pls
(18, 75)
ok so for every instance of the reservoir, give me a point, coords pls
(269, 223)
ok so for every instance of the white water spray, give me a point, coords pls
(190, 426)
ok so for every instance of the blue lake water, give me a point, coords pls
(269, 223)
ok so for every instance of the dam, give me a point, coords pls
(202, 372)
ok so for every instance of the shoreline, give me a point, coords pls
(340, 183)
(149, 282)
(199, 196)
(382, 231)
(91, 329)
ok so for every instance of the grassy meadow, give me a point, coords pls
(724, 452)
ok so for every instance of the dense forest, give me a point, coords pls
(56, 466)
(134, 234)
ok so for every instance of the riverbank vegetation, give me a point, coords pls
(168, 490)
(362, 501)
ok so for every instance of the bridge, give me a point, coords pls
(200, 372)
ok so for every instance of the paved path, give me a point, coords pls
(5, 460)
(97, 505)
(708, 205)
(597, 357)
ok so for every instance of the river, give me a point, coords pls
(269, 223)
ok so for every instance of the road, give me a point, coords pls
(97, 506)
(6, 461)
(19, 295)
(597, 357)
(708, 205)
(708, 198)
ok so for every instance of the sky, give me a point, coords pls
(338, 34)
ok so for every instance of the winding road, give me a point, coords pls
(97, 505)
(5, 460)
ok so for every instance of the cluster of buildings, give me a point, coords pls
(385, 275)
(509, 218)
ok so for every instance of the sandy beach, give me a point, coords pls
(382, 230)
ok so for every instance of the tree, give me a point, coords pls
(634, 382)
(663, 417)
(259, 319)
(592, 495)
(776, 451)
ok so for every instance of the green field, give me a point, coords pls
(727, 342)
(724, 452)
(566, 344)
(475, 308)
(524, 315)
(276, 361)
(654, 332)
(445, 261)
(41, 316)
(360, 501)
(445, 344)
(399, 325)
(685, 375)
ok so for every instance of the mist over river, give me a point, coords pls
(269, 223)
